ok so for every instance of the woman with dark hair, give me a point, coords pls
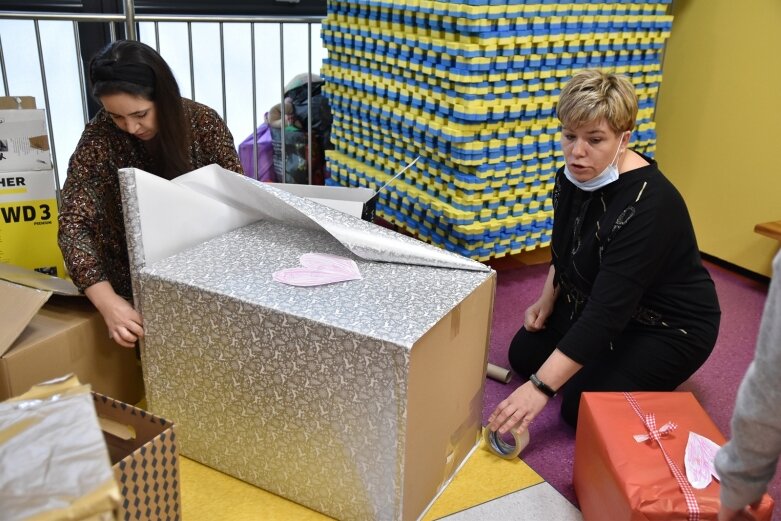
(144, 123)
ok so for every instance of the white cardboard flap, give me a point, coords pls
(337, 193)
(342, 198)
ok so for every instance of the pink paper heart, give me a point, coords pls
(698, 458)
(318, 269)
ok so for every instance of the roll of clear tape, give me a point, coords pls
(501, 448)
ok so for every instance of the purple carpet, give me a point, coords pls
(715, 385)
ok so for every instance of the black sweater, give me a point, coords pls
(626, 257)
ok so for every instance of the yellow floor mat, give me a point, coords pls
(482, 478)
(208, 494)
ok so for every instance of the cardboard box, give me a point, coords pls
(17, 102)
(617, 478)
(358, 202)
(41, 340)
(24, 142)
(28, 191)
(359, 399)
(28, 221)
(145, 458)
(55, 462)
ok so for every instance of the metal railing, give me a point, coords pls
(130, 20)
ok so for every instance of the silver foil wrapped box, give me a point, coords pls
(358, 399)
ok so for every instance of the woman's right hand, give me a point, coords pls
(536, 315)
(125, 325)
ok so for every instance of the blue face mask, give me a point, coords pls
(607, 176)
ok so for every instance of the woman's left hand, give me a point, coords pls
(517, 411)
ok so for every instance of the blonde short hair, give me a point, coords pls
(593, 95)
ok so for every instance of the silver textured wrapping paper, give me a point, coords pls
(301, 391)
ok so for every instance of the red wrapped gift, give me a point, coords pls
(619, 478)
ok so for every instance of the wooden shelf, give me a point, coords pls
(771, 229)
(525, 258)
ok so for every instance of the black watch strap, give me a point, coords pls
(542, 386)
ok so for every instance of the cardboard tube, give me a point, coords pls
(500, 374)
(501, 448)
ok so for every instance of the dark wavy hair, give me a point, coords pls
(134, 68)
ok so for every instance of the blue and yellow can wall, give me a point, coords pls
(471, 87)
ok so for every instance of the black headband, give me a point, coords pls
(110, 70)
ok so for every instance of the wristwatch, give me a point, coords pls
(542, 386)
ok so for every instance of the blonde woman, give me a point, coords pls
(627, 304)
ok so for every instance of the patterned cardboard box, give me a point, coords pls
(358, 399)
(146, 465)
